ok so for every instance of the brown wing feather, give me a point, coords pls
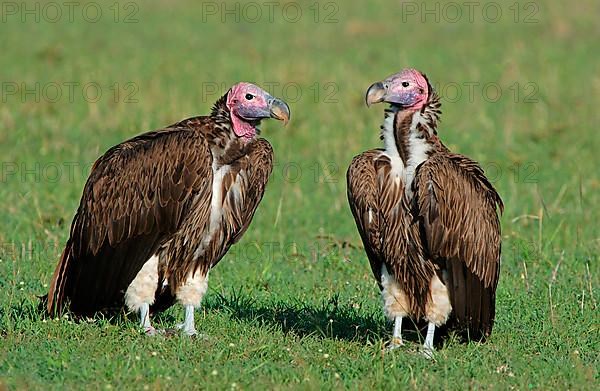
(402, 250)
(243, 187)
(254, 171)
(362, 188)
(134, 200)
(456, 206)
(387, 229)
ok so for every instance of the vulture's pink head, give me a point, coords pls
(407, 89)
(249, 104)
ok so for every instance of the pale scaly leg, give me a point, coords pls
(190, 296)
(145, 320)
(396, 341)
(188, 327)
(428, 345)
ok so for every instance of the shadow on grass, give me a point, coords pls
(331, 319)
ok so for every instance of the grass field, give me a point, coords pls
(294, 305)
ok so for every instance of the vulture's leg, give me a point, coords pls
(190, 296)
(395, 305)
(437, 312)
(141, 293)
(188, 326)
(145, 319)
(428, 345)
(397, 337)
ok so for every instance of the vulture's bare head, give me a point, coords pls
(249, 104)
(406, 90)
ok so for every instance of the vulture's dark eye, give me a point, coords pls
(249, 96)
(405, 84)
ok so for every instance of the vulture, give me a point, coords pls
(160, 210)
(428, 218)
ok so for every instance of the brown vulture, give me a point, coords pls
(427, 217)
(161, 209)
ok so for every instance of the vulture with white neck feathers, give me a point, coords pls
(427, 217)
(161, 209)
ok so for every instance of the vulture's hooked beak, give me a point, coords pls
(279, 110)
(375, 94)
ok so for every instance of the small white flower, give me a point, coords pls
(214, 372)
(154, 354)
(326, 355)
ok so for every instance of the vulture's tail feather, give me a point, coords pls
(473, 304)
(56, 295)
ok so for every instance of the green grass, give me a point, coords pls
(294, 305)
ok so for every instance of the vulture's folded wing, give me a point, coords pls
(135, 197)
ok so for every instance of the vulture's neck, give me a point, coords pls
(225, 146)
(410, 137)
(220, 113)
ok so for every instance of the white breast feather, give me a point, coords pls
(391, 150)
(216, 207)
(418, 149)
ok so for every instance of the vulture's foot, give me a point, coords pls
(151, 331)
(396, 340)
(190, 332)
(428, 353)
(187, 327)
(395, 343)
(145, 321)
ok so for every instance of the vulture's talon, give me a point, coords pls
(190, 333)
(151, 331)
(394, 344)
(428, 353)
